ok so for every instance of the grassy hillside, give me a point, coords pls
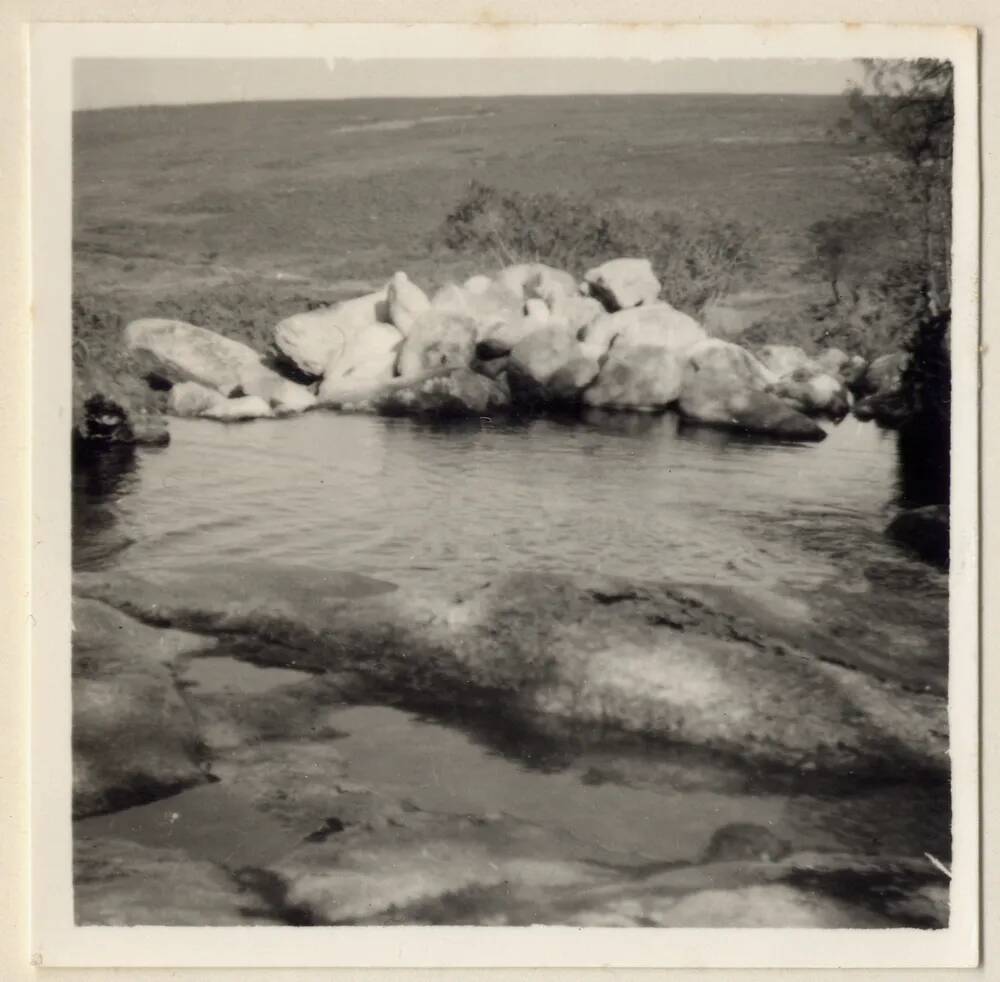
(350, 190)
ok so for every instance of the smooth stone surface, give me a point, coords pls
(814, 394)
(723, 386)
(885, 374)
(438, 339)
(457, 394)
(189, 353)
(310, 339)
(643, 378)
(283, 396)
(576, 312)
(658, 325)
(238, 409)
(418, 870)
(366, 359)
(663, 662)
(192, 399)
(549, 285)
(488, 309)
(134, 738)
(549, 366)
(784, 359)
(406, 302)
(119, 883)
(623, 283)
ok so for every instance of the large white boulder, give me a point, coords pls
(237, 410)
(406, 302)
(438, 339)
(642, 378)
(367, 358)
(194, 399)
(658, 325)
(187, 353)
(623, 283)
(309, 339)
(549, 365)
(724, 385)
(488, 309)
(577, 312)
(283, 396)
(783, 359)
(537, 280)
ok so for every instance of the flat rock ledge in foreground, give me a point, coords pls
(692, 666)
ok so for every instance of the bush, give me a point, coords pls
(698, 256)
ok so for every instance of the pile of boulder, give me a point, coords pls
(526, 340)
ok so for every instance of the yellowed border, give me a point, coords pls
(181, 9)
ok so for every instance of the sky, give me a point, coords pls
(106, 82)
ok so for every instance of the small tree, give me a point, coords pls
(907, 109)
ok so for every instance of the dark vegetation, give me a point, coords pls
(698, 256)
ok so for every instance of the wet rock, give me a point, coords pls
(743, 841)
(925, 531)
(309, 340)
(438, 339)
(134, 738)
(119, 883)
(192, 399)
(682, 665)
(888, 409)
(658, 325)
(432, 869)
(723, 386)
(406, 302)
(814, 394)
(643, 378)
(885, 374)
(104, 421)
(238, 409)
(283, 396)
(801, 890)
(622, 283)
(185, 352)
(458, 394)
(549, 366)
(366, 360)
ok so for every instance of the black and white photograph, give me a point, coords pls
(514, 491)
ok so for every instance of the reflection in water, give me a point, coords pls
(99, 478)
(446, 505)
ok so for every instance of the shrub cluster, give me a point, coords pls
(698, 256)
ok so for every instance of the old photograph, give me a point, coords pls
(512, 492)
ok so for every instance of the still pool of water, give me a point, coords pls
(639, 496)
(625, 494)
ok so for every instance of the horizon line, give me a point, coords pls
(439, 98)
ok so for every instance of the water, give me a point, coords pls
(632, 495)
(639, 496)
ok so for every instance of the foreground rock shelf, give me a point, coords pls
(527, 340)
(319, 846)
(692, 665)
